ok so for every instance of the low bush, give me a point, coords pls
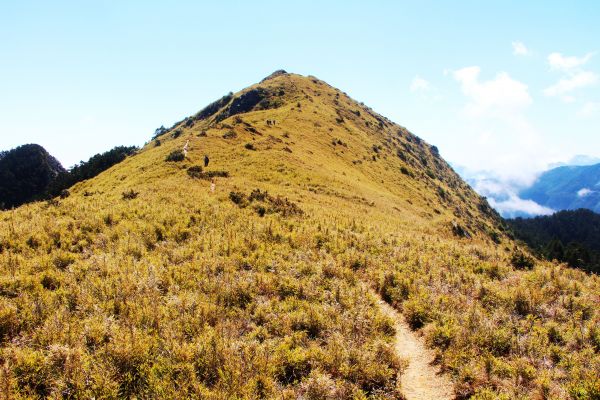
(129, 194)
(196, 172)
(265, 203)
(175, 156)
(522, 261)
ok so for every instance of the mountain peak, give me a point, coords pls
(317, 133)
(275, 74)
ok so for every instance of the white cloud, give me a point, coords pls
(419, 85)
(500, 95)
(515, 206)
(574, 76)
(503, 194)
(577, 80)
(560, 62)
(424, 89)
(519, 49)
(584, 192)
(496, 127)
(589, 109)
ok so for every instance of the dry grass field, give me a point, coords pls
(144, 283)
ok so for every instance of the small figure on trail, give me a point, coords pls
(206, 161)
(185, 148)
(212, 185)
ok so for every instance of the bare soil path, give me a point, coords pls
(421, 380)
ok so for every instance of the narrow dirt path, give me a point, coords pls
(421, 380)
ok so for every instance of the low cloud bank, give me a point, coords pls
(503, 193)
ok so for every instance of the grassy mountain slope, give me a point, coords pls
(145, 283)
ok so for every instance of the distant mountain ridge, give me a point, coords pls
(567, 188)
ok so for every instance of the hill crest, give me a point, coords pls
(307, 127)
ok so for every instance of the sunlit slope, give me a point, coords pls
(321, 145)
(146, 283)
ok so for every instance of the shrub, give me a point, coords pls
(416, 314)
(554, 335)
(260, 210)
(63, 260)
(460, 231)
(318, 386)
(50, 282)
(249, 146)
(284, 206)
(175, 156)
(195, 171)
(594, 337)
(406, 171)
(394, 289)
(9, 319)
(522, 261)
(523, 304)
(129, 194)
(215, 174)
(238, 198)
(257, 195)
(294, 364)
(441, 335)
(159, 132)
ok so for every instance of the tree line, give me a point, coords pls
(29, 173)
(572, 237)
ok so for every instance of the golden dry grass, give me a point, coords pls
(180, 292)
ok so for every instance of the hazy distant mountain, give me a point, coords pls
(578, 160)
(567, 188)
(567, 185)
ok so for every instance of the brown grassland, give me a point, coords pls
(145, 284)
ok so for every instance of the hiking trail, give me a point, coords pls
(421, 380)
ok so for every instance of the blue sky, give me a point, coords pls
(504, 86)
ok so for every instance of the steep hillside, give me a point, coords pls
(567, 188)
(26, 172)
(258, 275)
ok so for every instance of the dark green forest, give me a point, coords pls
(26, 173)
(89, 169)
(29, 173)
(572, 237)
